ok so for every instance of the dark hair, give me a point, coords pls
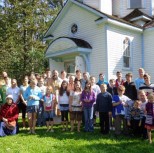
(75, 84)
(77, 71)
(129, 74)
(48, 69)
(118, 72)
(23, 79)
(61, 90)
(63, 71)
(87, 82)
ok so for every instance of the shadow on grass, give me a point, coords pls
(61, 135)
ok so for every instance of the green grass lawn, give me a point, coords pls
(72, 142)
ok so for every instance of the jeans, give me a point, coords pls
(88, 116)
(40, 115)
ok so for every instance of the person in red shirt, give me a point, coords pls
(119, 80)
(8, 117)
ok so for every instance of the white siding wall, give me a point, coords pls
(122, 9)
(88, 31)
(149, 52)
(115, 37)
(152, 7)
(116, 7)
(92, 3)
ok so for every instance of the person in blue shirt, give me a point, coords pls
(140, 80)
(101, 80)
(32, 95)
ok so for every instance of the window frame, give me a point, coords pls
(143, 4)
(127, 53)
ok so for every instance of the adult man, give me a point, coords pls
(14, 91)
(130, 89)
(140, 80)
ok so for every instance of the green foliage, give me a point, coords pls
(23, 24)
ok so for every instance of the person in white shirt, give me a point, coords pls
(14, 91)
(63, 75)
(63, 100)
(96, 89)
(143, 98)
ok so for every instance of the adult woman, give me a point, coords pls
(8, 117)
(22, 105)
(32, 95)
(148, 87)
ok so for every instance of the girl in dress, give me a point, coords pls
(149, 122)
(49, 105)
(75, 106)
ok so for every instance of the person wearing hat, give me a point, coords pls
(8, 117)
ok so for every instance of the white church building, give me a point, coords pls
(103, 36)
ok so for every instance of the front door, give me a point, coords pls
(69, 67)
(80, 64)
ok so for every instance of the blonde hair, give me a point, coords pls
(50, 88)
(121, 87)
(150, 96)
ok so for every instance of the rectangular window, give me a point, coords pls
(135, 4)
(126, 53)
(126, 61)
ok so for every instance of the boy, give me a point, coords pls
(104, 107)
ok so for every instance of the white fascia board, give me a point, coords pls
(48, 38)
(140, 17)
(58, 18)
(124, 25)
(104, 20)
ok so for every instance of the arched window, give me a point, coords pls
(126, 53)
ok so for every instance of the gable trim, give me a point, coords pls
(111, 21)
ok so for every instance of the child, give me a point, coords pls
(134, 118)
(121, 103)
(96, 89)
(112, 89)
(64, 104)
(119, 81)
(75, 106)
(70, 86)
(104, 107)
(49, 103)
(149, 122)
(143, 98)
(88, 98)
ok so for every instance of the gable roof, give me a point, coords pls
(100, 14)
(149, 24)
(134, 14)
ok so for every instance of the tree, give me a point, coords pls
(23, 24)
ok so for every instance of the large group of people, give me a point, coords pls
(124, 106)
